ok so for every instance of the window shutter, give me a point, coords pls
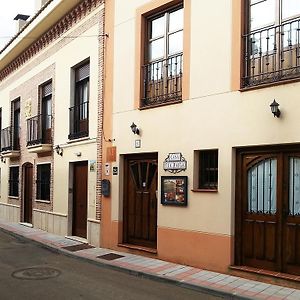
(47, 89)
(82, 72)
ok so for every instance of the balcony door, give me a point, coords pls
(16, 124)
(268, 210)
(46, 107)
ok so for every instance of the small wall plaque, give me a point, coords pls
(111, 154)
(115, 170)
(175, 163)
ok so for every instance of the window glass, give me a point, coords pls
(258, 16)
(156, 49)
(290, 8)
(175, 42)
(176, 20)
(157, 27)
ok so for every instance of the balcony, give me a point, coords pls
(79, 121)
(10, 142)
(272, 54)
(39, 134)
(162, 82)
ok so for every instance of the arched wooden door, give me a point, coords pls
(27, 191)
(140, 201)
(268, 211)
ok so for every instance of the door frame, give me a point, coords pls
(24, 167)
(259, 150)
(127, 158)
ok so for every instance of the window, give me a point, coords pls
(14, 181)
(16, 124)
(271, 41)
(79, 113)
(39, 126)
(162, 72)
(207, 170)
(43, 182)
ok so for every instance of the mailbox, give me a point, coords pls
(105, 187)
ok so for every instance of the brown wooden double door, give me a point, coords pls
(140, 201)
(268, 210)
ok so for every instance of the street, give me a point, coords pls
(29, 271)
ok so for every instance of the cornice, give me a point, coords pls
(63, 25)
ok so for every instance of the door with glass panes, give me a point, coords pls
(268, 210)
(140, 200)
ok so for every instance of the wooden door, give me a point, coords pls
(28, 180)
(80, 199)
(140, 205)
(268, 211)
(291, 214)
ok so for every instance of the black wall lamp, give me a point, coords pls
(134, 129)
(59, 150)
(275, 109)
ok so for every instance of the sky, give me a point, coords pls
(9, 9)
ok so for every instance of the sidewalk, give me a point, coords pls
(231, 287)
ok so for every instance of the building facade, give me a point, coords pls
(201, 171)
(51, 78)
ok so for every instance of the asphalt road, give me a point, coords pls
(29, 271)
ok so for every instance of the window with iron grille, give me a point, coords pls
(208, 169)
(14, 181)
(43, 182)
(271, 41)
(162, 72)
(79, 113)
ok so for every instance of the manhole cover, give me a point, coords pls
(36, 273)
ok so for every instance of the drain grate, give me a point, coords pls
(110, 256)
(36, 273)
(78, 247)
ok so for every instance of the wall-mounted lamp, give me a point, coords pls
(3, 159)
(275, 109)
(134, 129)
(59, 150)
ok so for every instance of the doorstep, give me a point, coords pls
(139, 248)
(26, 224)
(267, 276)
(77, 239)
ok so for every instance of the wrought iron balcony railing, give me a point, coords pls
(162, 81)
(39, 130)
(10, 139)
(272, 54)
(79, 121)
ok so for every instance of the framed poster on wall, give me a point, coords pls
(174, 190)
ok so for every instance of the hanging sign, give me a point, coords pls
(175, 163)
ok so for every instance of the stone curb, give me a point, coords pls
(203, 289)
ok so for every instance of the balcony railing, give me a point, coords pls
(39, 130)
(79, 121)
(272, 54)
(162, 81)
(10, 139)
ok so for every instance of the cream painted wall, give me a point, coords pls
(212, 118)
(61, 177)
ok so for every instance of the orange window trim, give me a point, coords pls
(142, 13)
